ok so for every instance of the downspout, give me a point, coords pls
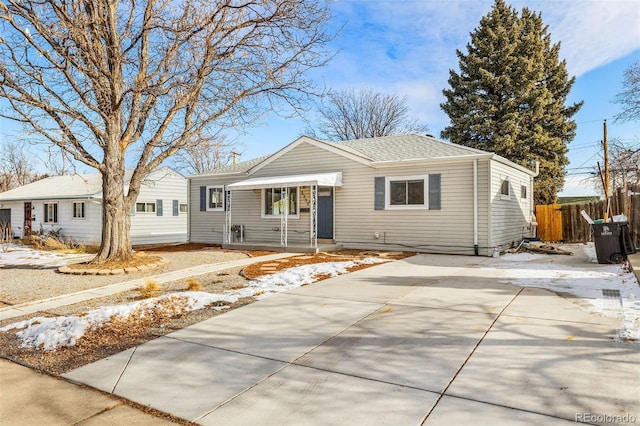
(475, 206)
(188, 210)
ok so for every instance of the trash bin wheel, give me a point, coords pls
(616, 258)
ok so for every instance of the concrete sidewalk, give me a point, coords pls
(31, 398)
(434, 340)
(80, 296)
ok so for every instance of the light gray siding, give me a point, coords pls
(449, 229)
(150, 228)
(510, 216)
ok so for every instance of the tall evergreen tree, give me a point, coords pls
(510, 96)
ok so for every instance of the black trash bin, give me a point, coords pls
(611, 240)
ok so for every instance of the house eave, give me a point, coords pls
(428, 161)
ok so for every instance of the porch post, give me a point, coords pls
(313, 217)
(227, 217)
(284, 210)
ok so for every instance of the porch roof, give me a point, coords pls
(319, 179)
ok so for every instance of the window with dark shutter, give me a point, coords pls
(379, 193)
(434, 192)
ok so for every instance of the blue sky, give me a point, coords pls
(407, 48)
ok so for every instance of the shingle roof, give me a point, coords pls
(240, 167)
(405, 147)
(69, 186)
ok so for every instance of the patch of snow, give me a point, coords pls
(52, 333)
(586, 283)
(590, 251)
(16, 255)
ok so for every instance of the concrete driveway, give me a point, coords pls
(430, 339)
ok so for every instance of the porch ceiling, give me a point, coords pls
(320, 179)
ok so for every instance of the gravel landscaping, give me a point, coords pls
(23, 284)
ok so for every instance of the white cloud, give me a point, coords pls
(592, 33)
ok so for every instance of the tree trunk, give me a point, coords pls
(116, 214)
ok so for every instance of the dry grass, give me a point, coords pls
(150, 289)
(193, 284)
(139, 259)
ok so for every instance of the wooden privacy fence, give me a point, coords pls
(565, 223)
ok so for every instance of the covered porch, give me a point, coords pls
(306, 197)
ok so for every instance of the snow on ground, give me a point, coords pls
(585, 283)
(52, 333)
(15, 255)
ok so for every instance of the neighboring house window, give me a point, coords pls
(50, 212)
(215, 198)
(183, 208)
(78, 210)
(145, 207)
(273, 202)
(505, 191)
(523, 191)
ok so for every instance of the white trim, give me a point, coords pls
(263, 215)
(288, 181)
(310, 141)
(208, 198)
(387, 192)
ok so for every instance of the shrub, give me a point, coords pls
(150, 289)
(193, 284)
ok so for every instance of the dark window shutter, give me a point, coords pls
(203, 198)
(434, 192)
(46, 213)
(158, 207)
(55, 213)
(227, 201)
(175, 207)
(379, 193)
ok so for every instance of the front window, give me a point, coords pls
(183, 208)
(406, 192)
(274, 204)
(215, 198)
(51, 213)
(78, 210)
(523, 191)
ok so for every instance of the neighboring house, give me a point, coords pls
(72, 204)
(408, 192)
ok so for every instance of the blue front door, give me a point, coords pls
(325, 212)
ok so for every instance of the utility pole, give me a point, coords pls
(606, 170)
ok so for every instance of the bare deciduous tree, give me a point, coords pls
(108, 81)
(629, 97)
(15, 167)
(206, 153)
(358, 114)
